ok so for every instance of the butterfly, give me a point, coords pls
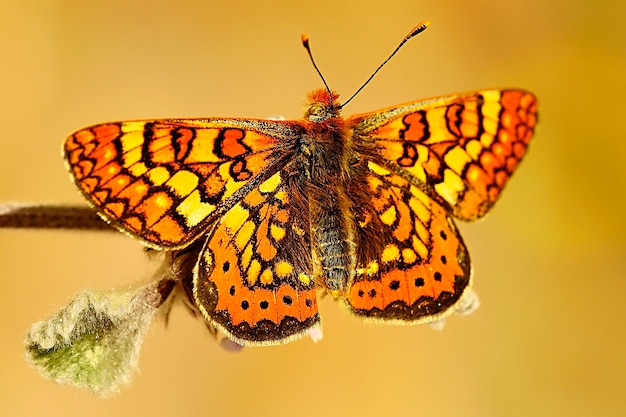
(359, 207)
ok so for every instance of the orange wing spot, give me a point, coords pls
(478, 178)
(100, 196)
(81, 169)
(416, 130)
(256, 162)
(214, 187)
(504, 137)
(398, 181)
(154, 207)
(118, 184)
(254, 198)
(454, 118)
(235, 306)
(511, 99)
(432, 164)
(511, 164)
(287, 303)
(307, 302)
(79, 140)
(374, 183)
(231, 145)
(367, 295)
(379, 204)
(394, 289)
(405, 225)
(282, 216)
(499, 151)
(134, 193)
(169, 230)
(184, 140)
(265, 249)
(105, 133)
(501, 177)
(103, 155)
(115, 209)
(472, 204)
(506, 120)
(488, 162)
(470, 118)
(134, 223)
(89, 184)
(469, 126)
(493, 193)
(106, 173)
(263, 307)
(519, 150)
(419, 283)
(162, 154)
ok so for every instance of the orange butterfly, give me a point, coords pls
(360, 207)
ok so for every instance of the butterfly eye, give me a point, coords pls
(317, 112)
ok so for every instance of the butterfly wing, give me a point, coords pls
(412, 265)
(253, 280)
(426, 161)
(165, 181)
(461, 149)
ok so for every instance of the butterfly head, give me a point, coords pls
(322, 105)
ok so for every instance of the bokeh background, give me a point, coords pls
(549, 261)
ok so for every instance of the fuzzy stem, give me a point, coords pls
(46, 216)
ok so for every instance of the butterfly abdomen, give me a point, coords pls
(333, 243)
(324, 155)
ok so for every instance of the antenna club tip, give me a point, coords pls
(305, 39)
(418, 29)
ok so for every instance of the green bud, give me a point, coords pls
(94, 341)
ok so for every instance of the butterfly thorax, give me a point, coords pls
(324, 153)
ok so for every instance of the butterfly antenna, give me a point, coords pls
(415, 31)
(305, 43)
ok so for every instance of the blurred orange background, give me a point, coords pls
(549, 261)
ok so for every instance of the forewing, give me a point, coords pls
(460, 150)
(412, 265)
(254, 278)
(164, 181)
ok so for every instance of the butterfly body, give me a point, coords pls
(326, 158)
(359, 207)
